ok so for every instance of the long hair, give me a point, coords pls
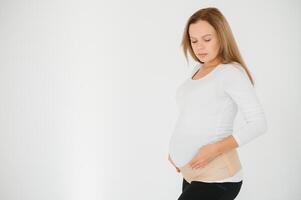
(228, 51)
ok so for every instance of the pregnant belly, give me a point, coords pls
(223, 166)
(182, 148)
(190, 133)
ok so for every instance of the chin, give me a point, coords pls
(207, 60)
(203, 60)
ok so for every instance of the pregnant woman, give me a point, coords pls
(203, 145)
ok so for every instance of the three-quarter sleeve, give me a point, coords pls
(237, 85)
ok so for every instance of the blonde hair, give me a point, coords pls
(228, 51)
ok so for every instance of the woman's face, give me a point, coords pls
(204, 41)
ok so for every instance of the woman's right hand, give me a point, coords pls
(169, 158)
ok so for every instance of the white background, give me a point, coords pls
(87, 97)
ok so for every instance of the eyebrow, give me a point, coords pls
(202, 36)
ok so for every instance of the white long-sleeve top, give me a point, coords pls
(207, 109)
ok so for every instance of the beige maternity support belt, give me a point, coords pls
(223, 166)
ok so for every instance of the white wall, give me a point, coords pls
(87, 97)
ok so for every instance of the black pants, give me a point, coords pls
(197, 190)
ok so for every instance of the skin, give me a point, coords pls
(204, 39)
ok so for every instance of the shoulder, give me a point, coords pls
(233, 74)
(233, 70)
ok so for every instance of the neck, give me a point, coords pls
(212, 63)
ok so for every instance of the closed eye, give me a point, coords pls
(204, 40)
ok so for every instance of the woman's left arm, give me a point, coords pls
(237, 85)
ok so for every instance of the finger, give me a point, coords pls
(194, 165)
(192, 162)
(202, 164)
(199, 165)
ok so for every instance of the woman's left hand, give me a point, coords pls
(205, 154)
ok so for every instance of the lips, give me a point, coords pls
(202, 54)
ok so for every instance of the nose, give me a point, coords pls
(200, 46)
